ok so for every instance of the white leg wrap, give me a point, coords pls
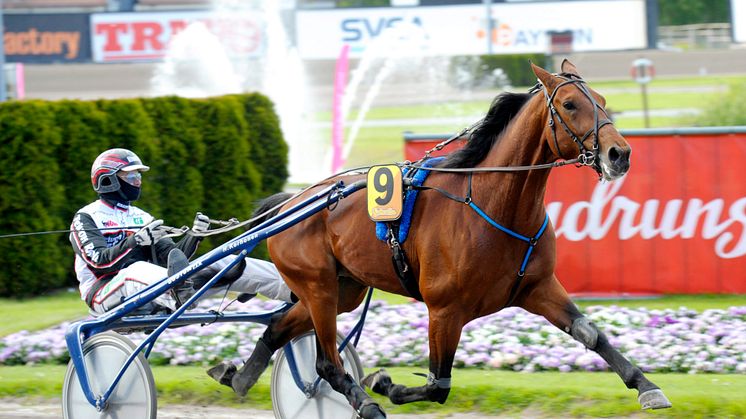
(584, 332)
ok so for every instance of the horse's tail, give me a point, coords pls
(268, 205)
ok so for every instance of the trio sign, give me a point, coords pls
(146, 36)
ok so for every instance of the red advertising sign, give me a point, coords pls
(675, 224)
(146, 36)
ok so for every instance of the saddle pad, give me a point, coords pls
(409, 199)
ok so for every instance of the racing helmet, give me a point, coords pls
(107, 164)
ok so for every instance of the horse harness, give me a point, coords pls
(401, 263)
(585, 157)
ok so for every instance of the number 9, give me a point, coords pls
(384, 183)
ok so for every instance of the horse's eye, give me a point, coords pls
(569, 106)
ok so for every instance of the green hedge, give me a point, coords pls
(216, 155)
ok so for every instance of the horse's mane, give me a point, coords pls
(502, 110)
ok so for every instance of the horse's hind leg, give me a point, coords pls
(281, 329)
(549, 299)
(444, 335)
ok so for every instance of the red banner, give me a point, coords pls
(145, 36)
(675, 224)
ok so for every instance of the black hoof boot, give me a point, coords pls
(378, 381)
(223, 373)
(249, 374)
(370, 410)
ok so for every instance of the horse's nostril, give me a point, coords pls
(614, 154)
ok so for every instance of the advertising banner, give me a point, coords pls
(46, 38)
(462, 30)
(676, 223)
(119, 37)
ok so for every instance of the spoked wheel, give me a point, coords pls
(134, 396)
(289, 402)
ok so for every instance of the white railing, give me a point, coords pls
(697, 36)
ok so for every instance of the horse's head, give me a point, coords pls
(578, 124)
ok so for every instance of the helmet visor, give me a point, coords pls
(134, 178)
(133, 167)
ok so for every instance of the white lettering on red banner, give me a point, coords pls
(652, 218)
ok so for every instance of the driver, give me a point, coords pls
(120, 249)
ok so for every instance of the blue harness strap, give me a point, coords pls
(532, 241)
(410, 197)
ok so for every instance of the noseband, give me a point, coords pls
(586, 157)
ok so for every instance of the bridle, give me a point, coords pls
(586, 157)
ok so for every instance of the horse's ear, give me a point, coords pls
(544, 77)
(569, 68)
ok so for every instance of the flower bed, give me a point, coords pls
(656, 340)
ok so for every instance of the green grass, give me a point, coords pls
(694, 302)
(488, 392)
(40, 312)
(381, 145)
(620, 95)
(669, 82)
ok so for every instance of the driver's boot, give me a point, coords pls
(177, 261)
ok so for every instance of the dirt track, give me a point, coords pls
(17, 409)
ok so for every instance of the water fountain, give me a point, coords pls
(198, 64)
(398, 47)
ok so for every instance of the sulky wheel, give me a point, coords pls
(289, 402)
(134, 396)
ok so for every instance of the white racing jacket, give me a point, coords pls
(102, 237)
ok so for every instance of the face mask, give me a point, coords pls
(129, 192)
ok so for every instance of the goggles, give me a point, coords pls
(134, 177)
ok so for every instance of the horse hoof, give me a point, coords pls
(371, 410)
(223, 373)
(654, 399)
(378, 381)
(249, 374)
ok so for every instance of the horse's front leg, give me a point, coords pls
(549, 299)
(444, 335)
(329, 364)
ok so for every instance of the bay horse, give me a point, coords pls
(464, 267)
